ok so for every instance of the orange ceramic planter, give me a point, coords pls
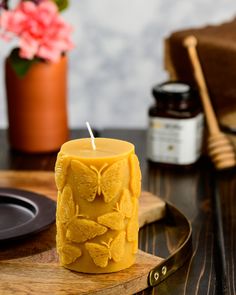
(37, 107)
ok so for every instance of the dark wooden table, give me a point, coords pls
(205, 198)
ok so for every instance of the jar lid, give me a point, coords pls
(172, 90)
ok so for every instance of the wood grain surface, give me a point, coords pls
(31, 266)
(190, 190)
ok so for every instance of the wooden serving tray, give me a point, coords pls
(31, 266)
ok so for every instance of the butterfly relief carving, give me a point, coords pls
(102, 253)
(107, 181)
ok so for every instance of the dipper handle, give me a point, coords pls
(190, 43)
(220, 148)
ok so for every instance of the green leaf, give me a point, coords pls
(20, 65)
(62, 4)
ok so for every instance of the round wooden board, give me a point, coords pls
(31, 266)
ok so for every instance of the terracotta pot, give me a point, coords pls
(37, 107)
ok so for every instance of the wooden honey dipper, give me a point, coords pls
(220, 148)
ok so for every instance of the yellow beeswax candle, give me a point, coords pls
(97, 207)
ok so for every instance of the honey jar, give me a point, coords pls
(175, 129)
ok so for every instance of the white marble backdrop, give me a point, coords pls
(118, 55)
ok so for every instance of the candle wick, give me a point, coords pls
(91, 135)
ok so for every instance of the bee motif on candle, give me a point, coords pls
(102, 253)
(115, 220)
(107, 181)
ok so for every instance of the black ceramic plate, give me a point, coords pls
(23, 213)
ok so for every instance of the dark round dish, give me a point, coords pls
(23, 213)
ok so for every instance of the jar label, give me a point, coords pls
(175, 141)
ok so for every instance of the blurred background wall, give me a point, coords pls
(118, 55)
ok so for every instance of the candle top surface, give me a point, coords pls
(105, 148)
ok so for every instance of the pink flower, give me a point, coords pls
(41, 30)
